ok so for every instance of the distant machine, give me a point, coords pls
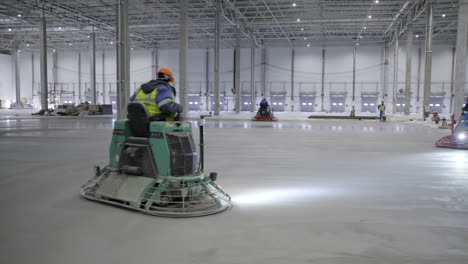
(154, 168)
(264, 113)
(459, 136)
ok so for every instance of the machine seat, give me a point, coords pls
(139, 119)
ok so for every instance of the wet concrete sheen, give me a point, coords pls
(312, 191)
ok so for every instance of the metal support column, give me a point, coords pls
(385, 72)
(33, 77)
(409, 55)
(460, 56)
(123, 59)
(55, 77)
(263, 70)
(253, 98)
(154, 63)
(217, 56)
(43, 66)
(395, 73)
(237, 70)
(92, 67)
(452, 78)
(17, 78)
(79, 78)
(418, 96)
(292, 74)
(207, 79)
(323, 80)
(428, 64)
(183, 56)
(354, 76)
(103, 77)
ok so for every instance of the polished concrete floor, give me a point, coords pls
(311, 191)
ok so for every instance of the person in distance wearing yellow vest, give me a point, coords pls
(381, 108)
(159, 97)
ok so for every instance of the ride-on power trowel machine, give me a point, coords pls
(154, 168)
(265, 114)
(458, 139)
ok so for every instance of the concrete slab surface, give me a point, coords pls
(305, 191)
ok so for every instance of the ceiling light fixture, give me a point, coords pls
(369, 17)
(376, 1)
(112, 42)
(357, 44)
(305, 38)
(302, 29)
(27, 45)
(19, 15)
(417, 36)
(360, 36)
(365, 27)
(54, 50)
(298, 20)
(443, 15)
(9, 29)
(308, 45)
(60, 28)
(294, 4)
(70, 44)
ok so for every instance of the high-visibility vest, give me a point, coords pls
(382, 107)
(149, 100)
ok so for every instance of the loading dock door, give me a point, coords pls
(221, 102)
(400, 104)
(369, 104)
(277, 103)
(337, 104)
(307, 103)
(436, 104)
(245, 102)
(193, 102)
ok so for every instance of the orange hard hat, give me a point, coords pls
(168, 72)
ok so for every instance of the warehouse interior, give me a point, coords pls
(326, 175)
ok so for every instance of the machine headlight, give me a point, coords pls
(461, 136)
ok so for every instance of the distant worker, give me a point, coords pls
(264, 103)
(159, 97)
(465, 112)
(381, 108)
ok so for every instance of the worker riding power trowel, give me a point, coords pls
(154, 168)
